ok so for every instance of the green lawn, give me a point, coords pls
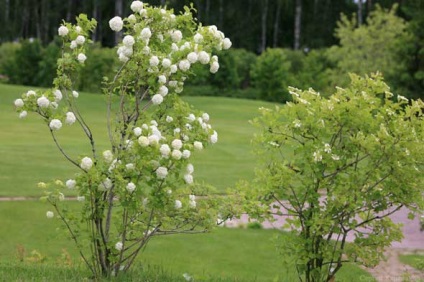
(28, 153)
(414, 260)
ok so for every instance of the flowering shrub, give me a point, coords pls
(337, 167)
(143, 185)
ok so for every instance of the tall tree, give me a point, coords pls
(297, 24)
(263, 25)
(118, 12)
(360, 10)
(277, 24)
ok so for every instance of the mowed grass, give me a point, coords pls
(222, 255)
(28, 154)
(414, 260)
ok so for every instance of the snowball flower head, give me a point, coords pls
(184, 65)
(43, 102)
(119, 246)
(161, 78)
(116, 24)
(214, 67)
(75, 94)
(203, 57)
(163, 90)
(176, 36)
(78, 29)
(154, 61)
(106, 184)
(198, 145)
(190, 168)
(55, 124)
(73, 44)
(157, 99)
(80, 39)
(178, 204)
(188, 178)
(81, 58)
(143, 141)
(70, 118)
(205, 117)
(177, 144)
(49, 214)
(165, 150)
(71, 183)
(198, 38)
(57, 95)
(169, 119)
(161, 172)
(30, 93)
(23, 114)
(19, 103)
(214, 137)
(166, 63)
(186, 154)
(153, 139)
(136, 6)
(145, 34)
(86, 163)
(108, 156)
(130, 187)
(192, 57)
(176, 154)
(63, 31)
(137, 131)
(173, 68)
(128, 40)
(226, 43)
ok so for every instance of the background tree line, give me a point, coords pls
(305, 29)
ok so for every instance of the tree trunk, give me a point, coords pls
(96, 15)
(6, 11)
(207, 10)
(297, 24)
(264, 20)
(360, 12)
(69, 10)
(118, 12)
(277, 24)
(221, 14)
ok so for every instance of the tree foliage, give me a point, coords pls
(339, 166)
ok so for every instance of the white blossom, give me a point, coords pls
(205, 117)
(327, 148)
(73, 44)
(177, 130)
(154, 61)
(71, 183)
(130, 187)
(198, 145)
(116, 24)
(55, 124)
(108, 156)
(191, 117)
(188, 178)
(128, 41)
(30, 93)
(143, 141)
(178, 204)
(203, 57)
(166, 63)
(75, 94)
(43, 102)
(214, 67)
(80, 39)
(86, 163)
(335, 157)
(145, 34)
(161, 172)
(132, 19)
(198, 38)
(137, 131)
(153, 139)
(119, 246)
(214, 137)
(57, 95)
(177, 144)
(49, 214)
(192, 204)
(157, 99)
(130, 166)
(317, 156)
(123, 58)
(169, 119)
(136, 6)
(184, 65)
(23, 114)
(176, 36)
(106, 184)
(402, 98)
(63, 30)
(174, 47)
(173, 83)
(78, 29)
(190, 168)
(162, 79)
(70, 118)
(81, 58)
(19, 103)
(226, 43)
(186, 154)
(173, 68)
(192, 57)
(176, 154)
(165, 150)
(297, 123)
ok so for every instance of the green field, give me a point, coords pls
(28, 156)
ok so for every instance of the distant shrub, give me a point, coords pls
(7, 56)
(47, 66)
(254, 225)
(270, 73)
